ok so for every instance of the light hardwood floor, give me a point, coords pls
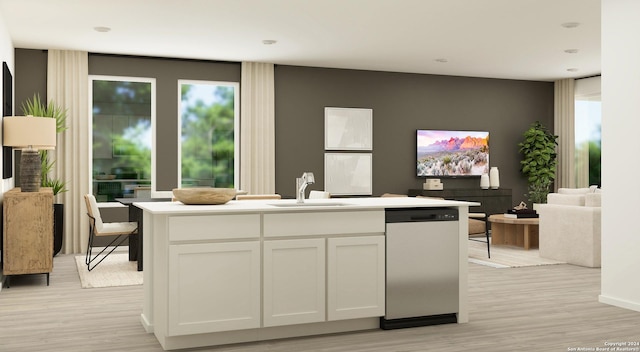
(545, 308)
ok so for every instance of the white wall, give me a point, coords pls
(7, 55)
(620, 151)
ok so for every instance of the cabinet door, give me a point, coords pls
(294, 281)
(214, 287)
(355, 277)
(28, 232)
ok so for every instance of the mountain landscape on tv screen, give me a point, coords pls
(454, 156)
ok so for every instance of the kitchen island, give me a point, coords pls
(256, 270)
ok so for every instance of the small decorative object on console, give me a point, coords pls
(494, 177)
(484, 181)
(521, 211)
(432, 184)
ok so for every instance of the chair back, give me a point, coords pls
(257, 196)
(319, 195)
(92, 209)
(393, 195)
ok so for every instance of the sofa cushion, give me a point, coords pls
(570, 234)
(593, 199)
(566, 198)
(574, 190)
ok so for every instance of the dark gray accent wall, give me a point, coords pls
(403, 103)
(30, 77)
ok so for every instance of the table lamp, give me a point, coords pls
(30, 134)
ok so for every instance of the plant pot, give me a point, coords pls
(58, 227)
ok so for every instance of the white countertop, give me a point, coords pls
(331, 204)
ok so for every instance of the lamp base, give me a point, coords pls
(30, 171)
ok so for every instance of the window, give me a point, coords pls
(588, 122)
(209, 136)
(123, 111)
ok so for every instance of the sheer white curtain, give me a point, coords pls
(257, 129)
(67, 85)
(564, 128)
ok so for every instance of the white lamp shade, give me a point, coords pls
(23, 132)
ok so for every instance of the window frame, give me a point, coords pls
(236, 125)
(135, 79)
(585, 90)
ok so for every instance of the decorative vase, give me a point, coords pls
(494, 177)
(484, 181)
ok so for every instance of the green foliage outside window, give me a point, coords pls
(207, 140)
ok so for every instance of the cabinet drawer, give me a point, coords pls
(323, 223)
(213, 227)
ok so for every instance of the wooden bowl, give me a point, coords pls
(210, 196)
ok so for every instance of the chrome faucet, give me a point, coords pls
(301, 184)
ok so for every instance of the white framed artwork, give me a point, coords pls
(348, 129)
(348, 173)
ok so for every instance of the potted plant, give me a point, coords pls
(35, 107)
(539, 160)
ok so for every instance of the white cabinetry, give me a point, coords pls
(355, 277)
(214, 287)
(241, 274)
(213, 272)
(294, 281)
(355, 281)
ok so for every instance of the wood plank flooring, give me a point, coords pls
(542, 308)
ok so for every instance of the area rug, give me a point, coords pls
(506, 256)
(115, 270)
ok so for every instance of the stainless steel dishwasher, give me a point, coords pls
(422, 267)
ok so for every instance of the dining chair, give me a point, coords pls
(478, 226)
(121, 231)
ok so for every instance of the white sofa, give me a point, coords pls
(570, 225)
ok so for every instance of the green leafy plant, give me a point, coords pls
(35, 107)
(539, 161)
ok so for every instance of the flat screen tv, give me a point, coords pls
(442, 153)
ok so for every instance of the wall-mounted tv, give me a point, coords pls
(443, 153)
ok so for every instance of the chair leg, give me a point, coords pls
(120, 239)
(87, 258)
(486, 231)
(488, 244)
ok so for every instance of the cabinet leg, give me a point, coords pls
(47, 279)
(8, 281)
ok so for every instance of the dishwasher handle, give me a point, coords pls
(421, 215)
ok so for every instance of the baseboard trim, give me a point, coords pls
(622, 303)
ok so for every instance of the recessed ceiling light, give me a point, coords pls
(102, 29)
(570, 24)
(442, 60)
(571, 51)
(573, 69)
(269, 42)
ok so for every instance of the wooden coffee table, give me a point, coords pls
(522, 232)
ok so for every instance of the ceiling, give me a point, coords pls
(509, 39)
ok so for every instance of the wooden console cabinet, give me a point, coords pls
(492, 201)
(28, 233)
